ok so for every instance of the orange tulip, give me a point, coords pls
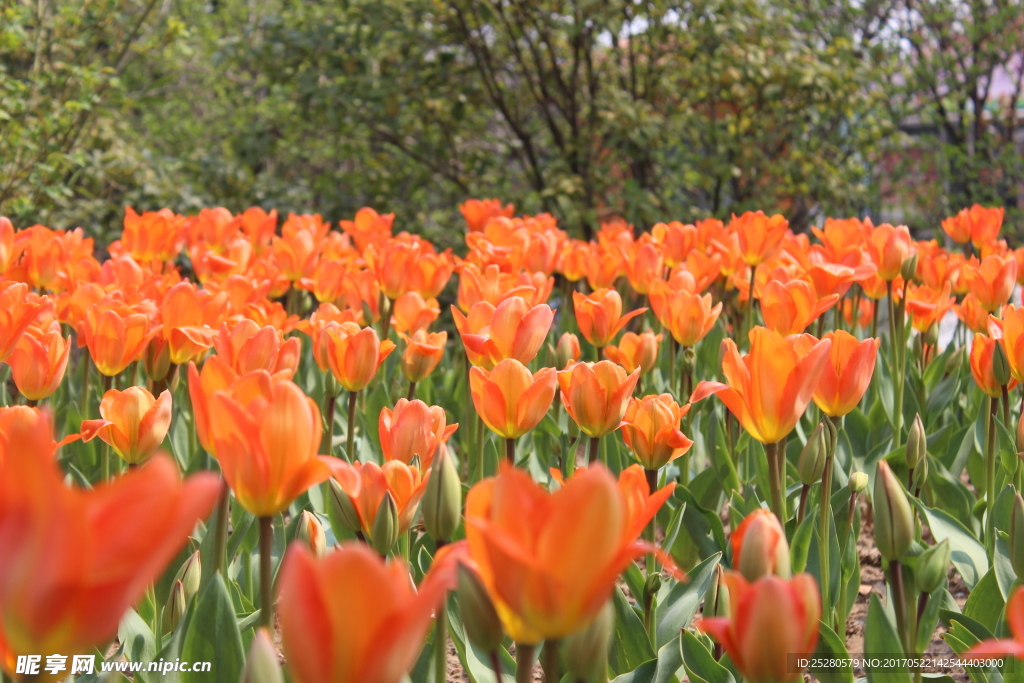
(117, 335)
(834, 278)
(315, 328)
(393, 262)
(247, 347)
(509, 399)
(567, 350)
(982, 350)
(958, 229)
(1013, 339)
(759, 546)
(153, 236)
(756, 639)
(635, 351)
(133, 423)
(478, 211)
(39, 360)
(643, 266)
(677, 241)
(411, 312)
(489, 284)
(216, 376)
(368, 227)
(978, 224)
(512, 329)
(184, 327)
(371, 622)
(74, 559)
(266, 444)
(889, 247)
(759, 237)
(549, 560)
(604, 267)
(18, 310)
(413, 430)
(865, 311)
(992, 281)
(295, 252)
(927, 306)
(367, 483)
(788, 308)
(1001, 647)
(687, 315)
(574, 260)
(354, 354)
(423, 351)
(651, 430)
(7, 252)
(329, 282)
(769, 388)
(971, 314)
(847, 374)
(596, 395)
(599, 315)
(431, 274)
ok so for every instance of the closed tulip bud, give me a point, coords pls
(858, 482)
(261, 665)
(811, 464)
(157, 360)
(908, 270)
(831, 437)
(586, 651)
(759, 546)
(688, 360)
(1017, 536)
(483, 627)
(343, 509)
(189, 573)
(931, 337)
(955, 360)
(894, 519)
(1020, 437)
(311, 532)
(568, 349)
(917, 443)
(385, 534)
(651, 587)
(175, 607)
(442, 502)
(931, 567)
(1000, 365)
(920, 475)
(716, 600)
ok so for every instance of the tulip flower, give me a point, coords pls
(927, 306)
(354, 354)
(651, 430)
(971, 314)
(574, 260)
(117, 336)
(491, 285)
(567, 350)
(315, 328)
(757, 640)
(423, 351)
(1000, 647)
(184, 327)
(992, 281)
(789, 307)
(153, 235)
(295, 251)
(984, 355)
(98, 549)
(411, 312)
(643, 266)
(431, 274)
(847, 374)
(759, 237)
(368, 227)
(512, 329)
(368, 484)
(978, 224)
(371, 621)
(17, 312)
(393, 261)
(599, 315)
(478, 212)
(132, 422)
(216, 376)
(247, 347)
(413, 430)
(759, 546)
(509, 399)
(635, 351)
(38, 361)
(889, 247)
(1013, 339)
(596, 396)
(7, 252)
(687, 315)
(549, 561)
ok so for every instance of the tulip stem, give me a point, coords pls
(83, 398)
(750, 302)
(898, 364)
(775, 475)
(524, 662)
(105, 450)
(350, 436)
(220, 532)
(441, 647)
(990, 465)
(651, 530)
(496, 665)
(411, 394)
(595, 446)
(328, 445)
(899, 600)
(1006, 407)
(510, 451)
(825, 535)
(266, 575)
(550, 662)
(803, 504)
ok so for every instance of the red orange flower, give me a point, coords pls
(635, 351)
(596, 395)
(599, 315)
(847, 374)
(413, 430)
(512, 329)
(650, 429)
(132, 422)
(509, 399)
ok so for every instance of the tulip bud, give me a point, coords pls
(894, 520)
(261, 665)
(568, 349)
(175, 607)
(385, 533)
(955, 360)
(442, 501)
(688, 360)
(908, 269)
(157, 360)
(858, 482)
(311, 532)
(931, 566)
(480, 619)
(811, 464)
(586, 651)
(917, 443)
(831, 437)
(189, 573)
(651, 587)
(759, 547)
(1017, 536)
(1020, 437)
(343, 509)
(920, 475)
(931, 337)
(1000, 365)
(716, 600)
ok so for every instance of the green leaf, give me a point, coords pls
(476, 662)
(631, 647)
(700, 665)
(677, 610)
(831, 646)
(985, 602)
(136, 637)
(213, 636)
(968, 556)
(880, 638)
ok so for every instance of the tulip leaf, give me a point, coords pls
(660, 670)
(801, 545)
(719, 456)
(928, 620)
(676, 612)
(882, 641)
(213, 636)
(962, 635)
(631, 647)
(477, 663)
(700, 665)
(136, 638)
(831, 646)
(985, 602)
(968, 556)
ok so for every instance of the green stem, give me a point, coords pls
(899, 600)
(775, 475)
(478, 439)
(496, 666)
(441, 647)
(895, 340)
(510, 451)
(595, 445)
(550, 662)
(327, 447)
(824, 536)
(83, 397)
(350, 446)
(650, 531)
(990, 464)
(105, 450)
(749, 323)
(411, 394)
(524, 662)
(220, 531)
(266, 575)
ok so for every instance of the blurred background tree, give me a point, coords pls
(650, 110)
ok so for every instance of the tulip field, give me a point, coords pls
(268, 448)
